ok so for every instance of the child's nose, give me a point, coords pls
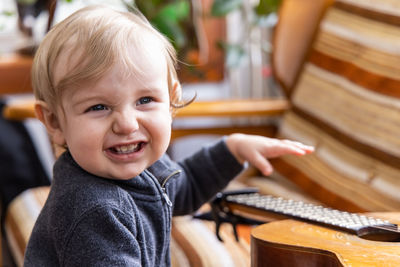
(125, 123)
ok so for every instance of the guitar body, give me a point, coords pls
(295, 243)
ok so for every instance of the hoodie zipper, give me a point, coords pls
(167, 210)
(164, 191)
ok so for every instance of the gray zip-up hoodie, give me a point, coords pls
(92, 221)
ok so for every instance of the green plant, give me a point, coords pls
(179, 21)
(172, 18)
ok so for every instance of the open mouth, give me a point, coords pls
(127, 149)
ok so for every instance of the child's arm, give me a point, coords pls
(209, 170)
(257, 149)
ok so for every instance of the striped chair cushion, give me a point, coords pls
(20, 218)
(346, 103)
(193, 241)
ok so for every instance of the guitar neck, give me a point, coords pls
(361, 225)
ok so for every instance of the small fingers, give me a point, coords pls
(306, 148)
(280, 149)
(296, 148)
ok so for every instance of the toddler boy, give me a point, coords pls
(106, 89)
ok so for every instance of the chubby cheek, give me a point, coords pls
(160, 129)
(88, 153)
(85, 140)
(164, 135)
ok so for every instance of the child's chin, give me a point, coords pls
(119, 175)
(125, 176)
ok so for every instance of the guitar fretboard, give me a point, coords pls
(351, 222)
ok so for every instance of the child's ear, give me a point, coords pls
(50, 120)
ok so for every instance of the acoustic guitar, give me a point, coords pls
(318, 236)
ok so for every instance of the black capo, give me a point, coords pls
(220, 213)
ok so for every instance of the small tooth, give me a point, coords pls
(127, 148)
(132, 147)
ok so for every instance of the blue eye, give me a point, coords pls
(97, 107)
(145, 100)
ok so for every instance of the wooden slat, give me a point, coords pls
(233, 108)
(19, 110)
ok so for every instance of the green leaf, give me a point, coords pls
(221, 8)
(266, 7)
(176, 11)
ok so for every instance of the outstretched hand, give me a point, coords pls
(257, 149)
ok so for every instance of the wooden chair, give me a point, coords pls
(346, 103)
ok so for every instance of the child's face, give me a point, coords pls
(119, 126)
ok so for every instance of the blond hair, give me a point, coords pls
(100, 37)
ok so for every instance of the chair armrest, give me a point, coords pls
(262, 108)
(234, 108)
(19, 110)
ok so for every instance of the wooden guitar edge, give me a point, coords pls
(271, 254)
